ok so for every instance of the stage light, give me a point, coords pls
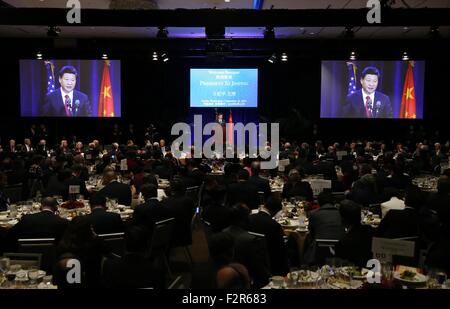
(405, 56)
(105, 57)
(155, 56)
(352, 55)
(53, 31)
(269, 33)
(164, 57)
(434, 32)
(39, 55)
(284, 57)
(273, 58)
(349, 33)
(162, 33)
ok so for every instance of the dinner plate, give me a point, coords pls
(418, 278)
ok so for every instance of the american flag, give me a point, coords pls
(351, 66)
(50, 76)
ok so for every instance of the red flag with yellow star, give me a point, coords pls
(408, 106)
(106, 100)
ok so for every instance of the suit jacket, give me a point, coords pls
(263, 223)
(54, 105)
(243, 192)
(182, 208)
(132, 271)
(355, 106)
(44, 224)
(252, 253)
(120, 191)
(325, 223)
(299, 188)
(105, 222)
(399, 223)
(356, 245)
(261, 184)
(150, 212)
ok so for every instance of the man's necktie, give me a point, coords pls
(67, 106)
(368, 107)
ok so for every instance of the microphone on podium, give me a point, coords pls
(377, 108)
(77, 105)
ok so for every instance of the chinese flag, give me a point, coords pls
(230, 132)
(408, 106)
(106, 100)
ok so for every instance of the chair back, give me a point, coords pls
(46, 247)
(162, 235)
(26, 260)
(192, 192)
(115, 241)
(14, 193)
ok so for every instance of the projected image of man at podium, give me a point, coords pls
(67, 101)
(368, 102)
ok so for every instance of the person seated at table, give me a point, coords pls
(182, 208)
(134, 270)
(356, 245)
(103, 222)
(215, 212)
(44, 224)
(405, 222)
(233, 276)
(324, 223)
(365, 190)
(75, 180)
(263, 223)
(4, 201)
(248, 249)
(151, 210)
(81, 243)
(393, 199)
(260, 183)
(243, 191)
(116, 190)
(295, 187)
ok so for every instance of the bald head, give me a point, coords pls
(109, 176)
(49, 203)
(233, 276)
(256, 167)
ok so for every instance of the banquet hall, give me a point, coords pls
(237, 144)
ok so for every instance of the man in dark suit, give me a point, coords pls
(260, 183)
(263, 223)
(151, 211)
(356, 245)
(67, 101)
(115, 189)
(367, 102)
(243, 191)
(44, 224)
(103, 222)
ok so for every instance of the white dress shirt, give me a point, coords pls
(393, 203)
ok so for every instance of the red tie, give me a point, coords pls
(368, 112)
(66, 106)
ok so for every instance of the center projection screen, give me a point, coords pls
(372, 89)
(224, 88)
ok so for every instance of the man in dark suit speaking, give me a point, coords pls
(367, 102)
(67, 101)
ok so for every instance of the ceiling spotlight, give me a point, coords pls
(284, 57)
(348, 33)
(53, 31)
(269, 33)
(39, 55)
(405, 56)
(352, 55)
(162, 33)
(272, 58)
(164, 57)
(434, 32)
(105, 57)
